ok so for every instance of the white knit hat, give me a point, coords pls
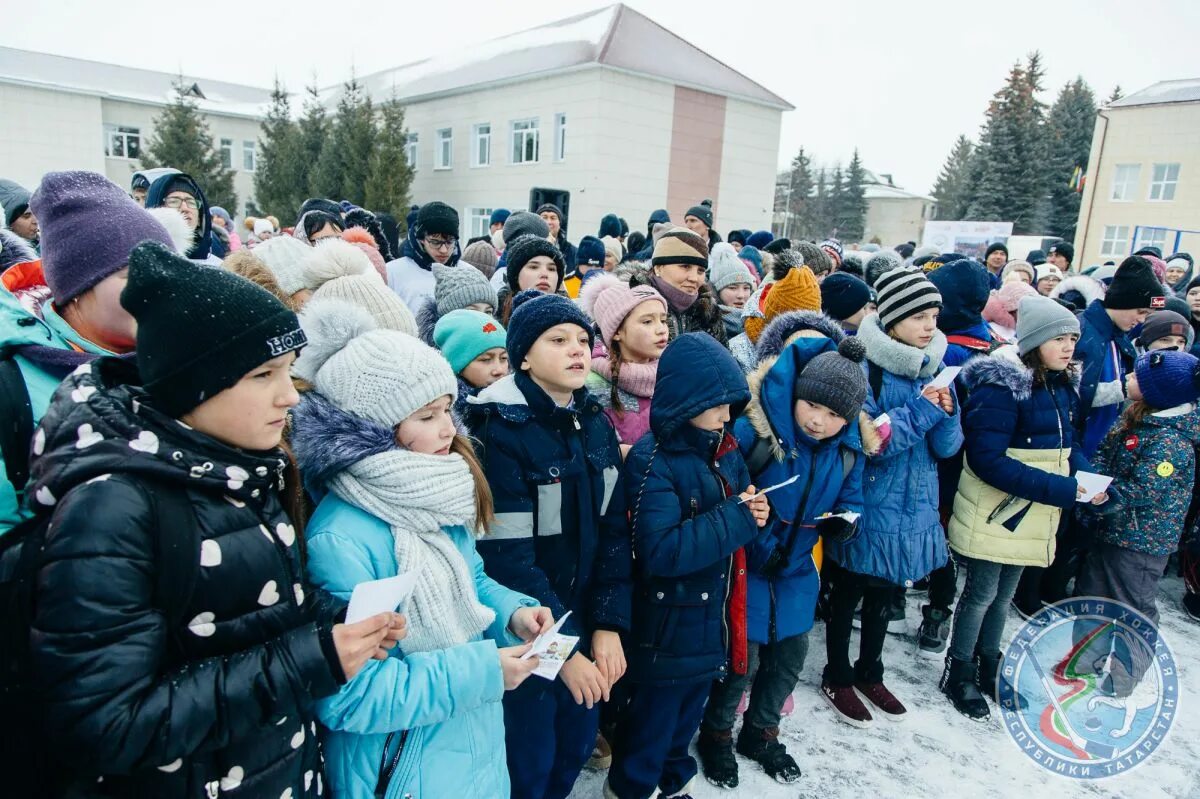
(381, 375)
(262, 226)
(284, 256)
(337, 269)
(725, 269)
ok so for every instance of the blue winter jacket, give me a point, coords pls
(443, 706)
(900, 536)
(1106, 355)
(561, 533)
(1004, 410)
(781, 606)
(958, 354)
(685, 529)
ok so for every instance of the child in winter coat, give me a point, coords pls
(633, 325)
(1165, 330)
(693, 511)
(561, 534)
(805, 405)
(797, 290)
(1015, 484)
(474, 344)
(1151, 457)
(733, 284)
(532, 264)
(157, 688)
(847, 299)
(900, 538)
(403, 494)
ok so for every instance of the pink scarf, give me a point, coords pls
(635, 378)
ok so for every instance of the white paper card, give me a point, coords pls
(944, 378)
(849, 515)
(380, 596)
(1092, 485)
(552, 649)
(769, 489)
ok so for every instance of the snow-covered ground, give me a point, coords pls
(937, 753)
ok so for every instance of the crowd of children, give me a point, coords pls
(211, 456)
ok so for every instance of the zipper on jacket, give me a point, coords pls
(771, 627)
(387, 766)
(726, 633)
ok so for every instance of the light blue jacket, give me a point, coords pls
(448, 701)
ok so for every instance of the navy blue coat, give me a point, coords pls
(1106, 355)
(1004, 410)
(561, 534)
(685, 529)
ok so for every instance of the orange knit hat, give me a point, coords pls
(797, 291)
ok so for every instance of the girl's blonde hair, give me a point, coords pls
(485, 508)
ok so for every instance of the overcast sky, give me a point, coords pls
(899, 80)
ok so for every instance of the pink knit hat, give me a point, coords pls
(608, 301)
(1011, 294)
(1004, 301)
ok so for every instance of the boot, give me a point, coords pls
(990, 680)
(1191, 606)
(933, 633)
(601, 757)
(763, 747)
(715, 748)
(958, 683)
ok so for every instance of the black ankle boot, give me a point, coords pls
(958, 683)
(715, 748)
(990, 680)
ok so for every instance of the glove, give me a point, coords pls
(775, 564)
(835, 528)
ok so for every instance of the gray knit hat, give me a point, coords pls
(1040, 319)
(725, 269)
(522, 223)
(835, 379)
(482, 255)
(459, 288)
(880, 263)
(903, 293)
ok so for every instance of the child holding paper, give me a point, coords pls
(561, 535)
(1151, 456)
(805, 407)
(1016, 480)
(693, 510)
(404, 494)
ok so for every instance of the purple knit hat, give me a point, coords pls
(89, 228)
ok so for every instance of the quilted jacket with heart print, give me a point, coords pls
(221, 702)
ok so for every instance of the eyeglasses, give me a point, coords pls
(180, 202)
(441, 244)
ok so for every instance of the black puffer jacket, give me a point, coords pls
(221, 701)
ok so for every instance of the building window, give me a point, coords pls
(410, 149)
(227, 153)
(445, 149)
(481, 151)
(525, 141)
(1125, 181)
(1151, 237)
(480, 221)
(560, 137)
(1163, 181)
(122, 142)
(249, 157)
(1115, 241)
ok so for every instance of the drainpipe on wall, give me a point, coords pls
(1081, 248)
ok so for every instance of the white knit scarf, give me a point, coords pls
(417, 495)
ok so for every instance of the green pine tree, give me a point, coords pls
(279, 179)
(854, 202)
(390, 175)
(314, 130)
(836, 205)
(1117, 94)
(1070, 126)
(822, 212)
(181, 139)
(799, 201)
(341, 169)
(953, 184)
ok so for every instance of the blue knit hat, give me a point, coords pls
(499, 217)
(751, 254)
(843, 295)
(965, 287)
(610, 225)
(1168, 378)
(760, 239)
(590, 252)
(533, 314)
(464, 335)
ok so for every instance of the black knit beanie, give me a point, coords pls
(1134, 286)
(200, 329)
(703, 212)
(522, 249)
(835, 379)
(437, 219)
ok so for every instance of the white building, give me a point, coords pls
(894, 215)
(607, 105)
(1143, 183)
(61, 113)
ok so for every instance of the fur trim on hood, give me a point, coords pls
(897, 358)
(1090, 288)
(14, 250)
(1004, 368)
(327, 439)
(176, 225)
(782, 330)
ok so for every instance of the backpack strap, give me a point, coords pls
(16, 427)
(176, 549)
(875, 378)
(848, 458)
(759, 456)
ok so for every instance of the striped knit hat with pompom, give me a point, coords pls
(903, 293)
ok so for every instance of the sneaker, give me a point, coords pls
(897, 624)
(934, 632)
(1191, 606)
(715, 748)
(763, 747)
(845, 702)
(789, 706)
(879, 696)
(958, 683)
(920, 586)
(601, 757)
